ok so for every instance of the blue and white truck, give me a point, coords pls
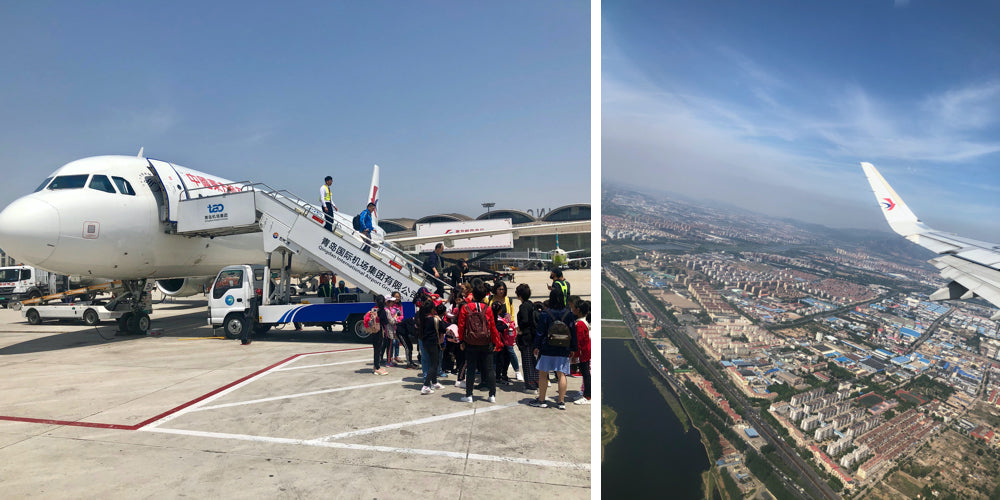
(241, 298)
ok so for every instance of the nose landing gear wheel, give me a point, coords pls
(137, 323)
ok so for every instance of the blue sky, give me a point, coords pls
(772, 105)
(458, 102)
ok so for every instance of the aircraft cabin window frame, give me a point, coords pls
(124, 187)
(44, 183)
(74, 181)
(106, 185)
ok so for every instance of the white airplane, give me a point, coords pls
(111, 216)
(972, 266)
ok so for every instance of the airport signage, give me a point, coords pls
(454, 229)
(199, 214)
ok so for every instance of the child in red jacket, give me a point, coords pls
(582, 312)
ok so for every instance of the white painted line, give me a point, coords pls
(198, 405)
(300, 395)
(421, 421)
(325, 364)
(387, 449)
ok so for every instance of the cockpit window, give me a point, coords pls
(123, 186)
(43, 184)
(69, 181)
(101, 183)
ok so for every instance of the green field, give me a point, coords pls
(608, 308)
(611, 330)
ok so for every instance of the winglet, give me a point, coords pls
(140, 151)
(902, 220)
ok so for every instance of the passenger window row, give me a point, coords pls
(98, 182)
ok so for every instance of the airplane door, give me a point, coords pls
(173, 187)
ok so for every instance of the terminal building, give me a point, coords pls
(546, 242)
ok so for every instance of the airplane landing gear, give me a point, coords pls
(136, 299)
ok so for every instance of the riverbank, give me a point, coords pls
(653, 448)
(608, 428)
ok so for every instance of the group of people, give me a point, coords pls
(477, 332)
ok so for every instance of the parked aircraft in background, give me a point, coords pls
(972, 266)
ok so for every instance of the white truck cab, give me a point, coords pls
(18, 283)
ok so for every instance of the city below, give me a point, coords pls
(813, 356)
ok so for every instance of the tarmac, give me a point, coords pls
(178, 413)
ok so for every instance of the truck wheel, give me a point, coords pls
(91, 318)
(33, 317)
(34, 294)
(359, 330)
(234, 325)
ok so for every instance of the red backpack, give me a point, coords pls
(477, 330)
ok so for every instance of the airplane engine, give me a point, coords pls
(184, 287)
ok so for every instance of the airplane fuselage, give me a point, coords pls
(109, 217)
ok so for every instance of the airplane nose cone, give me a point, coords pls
(29, 230)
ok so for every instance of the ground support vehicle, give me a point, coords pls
(241, 298)
(92, 313)
(18, 283)
(130, 308)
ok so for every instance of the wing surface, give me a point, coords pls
(973, 266)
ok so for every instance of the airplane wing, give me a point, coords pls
(518, 231)
(972, 266)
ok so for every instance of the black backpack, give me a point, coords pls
(559, 334)
(356, 222)
(477, 330)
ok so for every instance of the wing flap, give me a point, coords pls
(982, 280)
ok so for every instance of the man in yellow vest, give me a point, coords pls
(326, 201)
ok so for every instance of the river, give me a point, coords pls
(652, 456)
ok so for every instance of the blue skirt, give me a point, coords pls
(553, 364)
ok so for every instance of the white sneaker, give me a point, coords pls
(426, 390)
(492, 399)
(582, 401)
(466, 399)
(460, 384)
(519, 377)
(437, 385)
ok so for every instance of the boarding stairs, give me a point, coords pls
(291, 225)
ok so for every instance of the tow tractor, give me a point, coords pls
(242, 298)
(92, 312)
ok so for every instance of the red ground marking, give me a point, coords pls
(168, 412)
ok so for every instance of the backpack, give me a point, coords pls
(371, 321)
(356, 222)
(559, 334)
(477, 330)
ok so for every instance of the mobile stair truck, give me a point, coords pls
(243, 296)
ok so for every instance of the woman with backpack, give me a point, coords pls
(527, 320)
(508, 354)
(394, 311)
(555, 342)
(431, 332)
(582, 312)
(379, 337)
